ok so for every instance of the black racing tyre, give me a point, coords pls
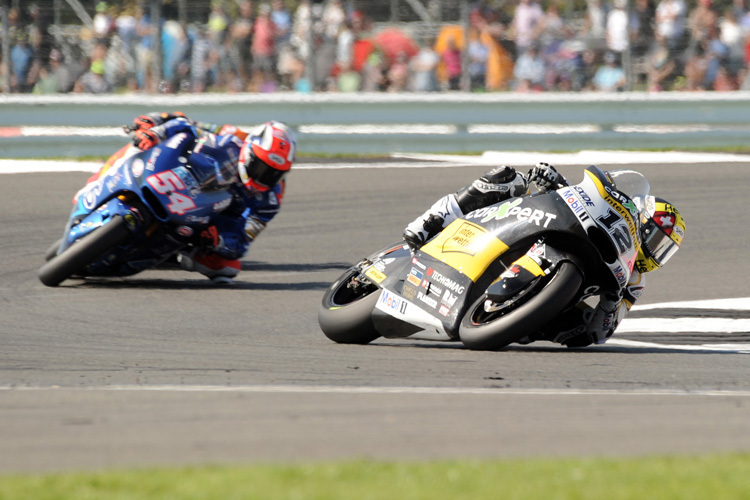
(485, 332)
(52, 250)
(346, 317)
(81, 253)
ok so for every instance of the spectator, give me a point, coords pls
(374, 73)
(282, 20)
(594, 28)
(60, 72)
(144, 55)
(671, 21)
(38, 32)
(93, 81)
(643, 29)
(24, 64)
(701, 21)
(662, 66)
(240, 41)
(477, 53)
(204, 59)
(609, 77)
(618, 29)
(45, 84)
(348, 80)
(717, 53)
(264, 67)
(103, 22)
(551, 28)
(398, 73)
(333, 17)
(739, 9)
(452, 59)
(301, 31)
(424, 69)
(526, 18)
(174, 52)
(696, 67)
(529, 71)
(733, 37)
(345, 46)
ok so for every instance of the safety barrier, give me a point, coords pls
(387, 123)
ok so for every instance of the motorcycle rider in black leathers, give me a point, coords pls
(662, 231)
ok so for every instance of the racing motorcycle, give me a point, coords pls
(498, 274)
(140, 210)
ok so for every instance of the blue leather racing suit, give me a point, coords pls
(213, 159)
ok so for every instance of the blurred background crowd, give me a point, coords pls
(191, 46)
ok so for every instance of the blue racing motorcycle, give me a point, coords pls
(140, 209)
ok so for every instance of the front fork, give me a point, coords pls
(521, 277)
(121, 205)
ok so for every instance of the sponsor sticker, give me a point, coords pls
(138, 167)
(393, 302)
(375, 275)
(427, 300)
(445, 281)
(415, 277)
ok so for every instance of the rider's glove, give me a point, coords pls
(146, 122)
(546, 177)
(147, 139)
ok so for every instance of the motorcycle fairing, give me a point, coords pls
(399, 317)
(403, 308)
(470, 245)
(131, 181)
(600, 207)
(466, 247)
(541, 260)
(435, 284)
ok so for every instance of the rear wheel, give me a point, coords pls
(525, 314)
(85, 251)
(345, 314)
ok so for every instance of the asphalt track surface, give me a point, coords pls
(165, 368)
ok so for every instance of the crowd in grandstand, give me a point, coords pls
(262, 46)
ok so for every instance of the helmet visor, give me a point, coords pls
(658, 243)
(261, 175)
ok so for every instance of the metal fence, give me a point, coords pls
(77, 126)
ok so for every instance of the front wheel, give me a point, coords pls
(345, 314)
(484, 331)
(84, 251)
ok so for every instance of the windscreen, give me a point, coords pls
(633, 184)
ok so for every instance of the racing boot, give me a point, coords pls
(211, 265)
(440, 214)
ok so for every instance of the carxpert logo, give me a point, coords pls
(512, 208)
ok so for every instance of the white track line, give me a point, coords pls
(441, 161)
(324, 389)
(582, 158)
(737, 304)
(684, 325)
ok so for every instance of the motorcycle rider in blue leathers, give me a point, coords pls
(250, 165)
(662, 230)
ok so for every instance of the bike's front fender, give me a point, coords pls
(99, 217)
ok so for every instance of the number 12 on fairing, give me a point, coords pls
(168, 184)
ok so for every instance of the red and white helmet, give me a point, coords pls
(266, 156)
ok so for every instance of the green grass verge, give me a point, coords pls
(725, 476)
